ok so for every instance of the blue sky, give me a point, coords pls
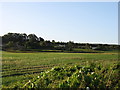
(82, 22)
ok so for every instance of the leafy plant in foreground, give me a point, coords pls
(93, 77)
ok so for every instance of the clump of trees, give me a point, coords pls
(22, 41)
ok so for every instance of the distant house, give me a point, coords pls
(61, 45)
(94, 48)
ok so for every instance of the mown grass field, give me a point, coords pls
(21, 67)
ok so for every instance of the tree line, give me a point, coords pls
(22, 41)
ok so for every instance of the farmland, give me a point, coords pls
(21, 67)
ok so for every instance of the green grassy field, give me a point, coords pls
(21, 67)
